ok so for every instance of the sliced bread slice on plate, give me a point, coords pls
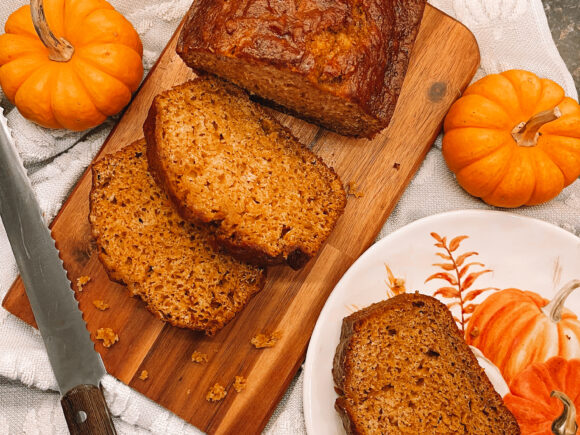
(402, 366)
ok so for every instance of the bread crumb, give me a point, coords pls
(263, 340)
(352, 189)
(82, 281)
(188, 391)
(396, 165)
(101, 305)
(198, 357)
(474, 332)
(240, 384)
(108, 336)
(216, 393)
(144, 375)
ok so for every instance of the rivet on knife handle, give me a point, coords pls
(86, 412)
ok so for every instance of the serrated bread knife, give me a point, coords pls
(78, 368)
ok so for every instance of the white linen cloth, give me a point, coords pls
(510, 33)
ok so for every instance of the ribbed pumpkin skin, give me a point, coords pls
(511, 331)
(530, 401)
(488, 163)
(96, 82)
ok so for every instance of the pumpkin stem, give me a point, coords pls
(59, 50)
(565, 424)
(526, 133)
(554, 309)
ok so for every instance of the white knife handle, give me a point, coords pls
(86, 411)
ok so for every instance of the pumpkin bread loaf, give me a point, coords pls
(224, 161)
(339, 64)
(169, 263)
(402, 366)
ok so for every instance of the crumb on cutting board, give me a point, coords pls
(101, 305)
(82, 281)
(144, 375)
(108, 336)
(216, 393)
(240, 384)
(188, 391)
(198, 357)
(263, 340)
(352, 189)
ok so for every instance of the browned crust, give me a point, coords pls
(295, 256)
(364, 133)
(342, 364)
(346, 416)
(100, 251)
(211, 328)
(258, 42)
(156, 167)
(111, 274)
(407, 27)
(252, 254)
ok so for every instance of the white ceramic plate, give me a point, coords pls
(520, 252)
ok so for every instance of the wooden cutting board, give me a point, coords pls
(444, 60)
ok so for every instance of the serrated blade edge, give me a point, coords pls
(70, 350)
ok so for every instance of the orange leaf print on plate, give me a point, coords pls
(395, 286)
(454, 273)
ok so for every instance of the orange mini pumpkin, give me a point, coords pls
(514, 328)
(80, 65)
(531, 400)
(513, 139)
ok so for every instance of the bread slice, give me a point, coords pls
(224, 161)
(169, 263)
(402, 366)
(340, 64)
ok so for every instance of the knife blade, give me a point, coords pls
(78, 368)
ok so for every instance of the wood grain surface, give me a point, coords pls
(444, 60)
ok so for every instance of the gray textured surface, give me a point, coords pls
(564, 21)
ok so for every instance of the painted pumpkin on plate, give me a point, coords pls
(531, 401)
(84, 66)
(513, 139)
(514, 328)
